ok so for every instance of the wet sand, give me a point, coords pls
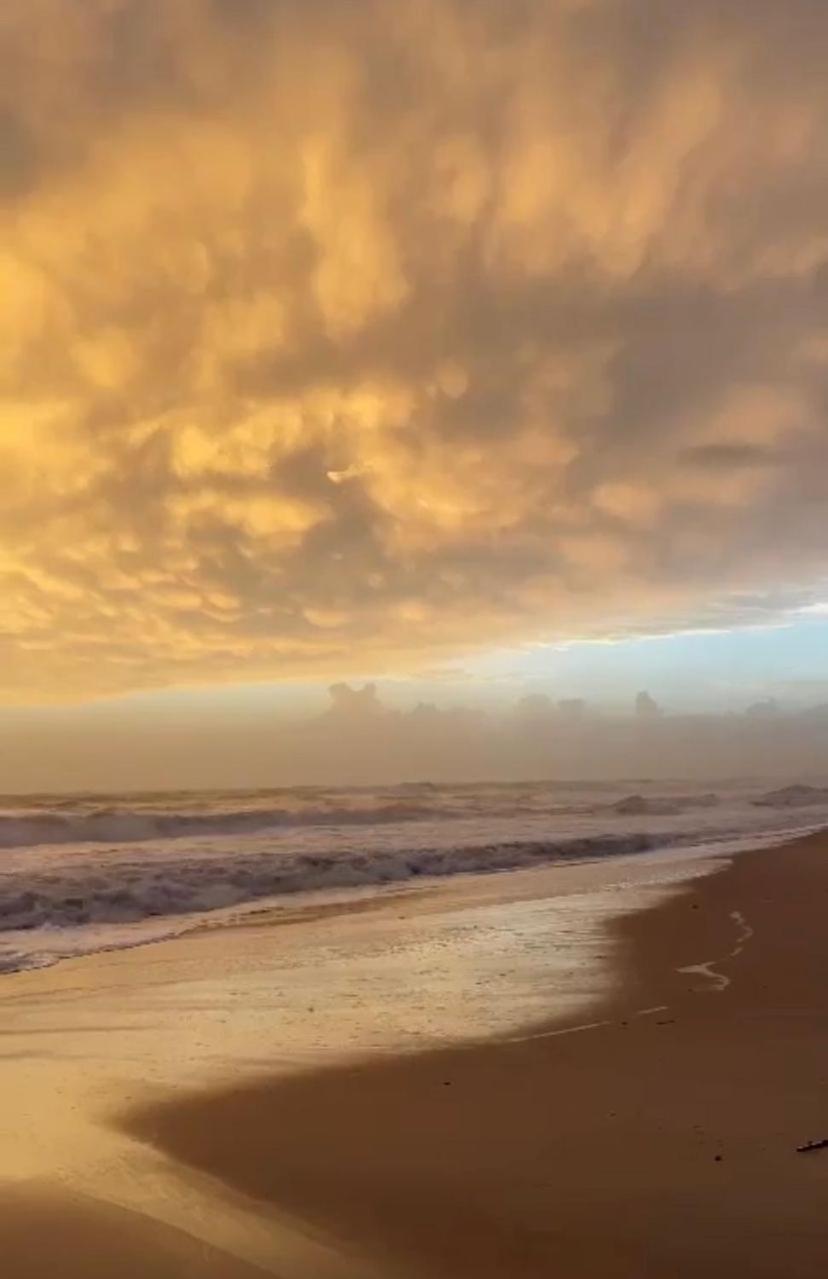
(660, 1142)
(45, 1231)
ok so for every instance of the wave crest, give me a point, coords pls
(85, 894)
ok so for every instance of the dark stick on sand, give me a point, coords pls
(812, 1145)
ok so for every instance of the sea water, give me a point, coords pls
(80, 873)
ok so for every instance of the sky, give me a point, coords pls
(473, 348)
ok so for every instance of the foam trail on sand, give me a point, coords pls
(708, 969)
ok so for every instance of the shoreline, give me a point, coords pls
(661, 1140)
(68, 899)
(310, 905)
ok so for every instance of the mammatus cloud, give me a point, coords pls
(344, 337)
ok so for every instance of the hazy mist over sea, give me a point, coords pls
(362, 738)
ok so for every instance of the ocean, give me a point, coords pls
(82, 873)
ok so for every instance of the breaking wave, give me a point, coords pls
(83, 821)
(143, 889)
(124, 826)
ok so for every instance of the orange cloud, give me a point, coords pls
(341, 338)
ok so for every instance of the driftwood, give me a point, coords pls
(812, 1145)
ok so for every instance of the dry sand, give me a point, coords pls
(661, 1142)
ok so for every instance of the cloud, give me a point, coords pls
(730, 456)
(342, 339)
(646, 707)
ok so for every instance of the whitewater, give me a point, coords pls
(82, 873)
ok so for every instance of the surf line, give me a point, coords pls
(552, 1034)
(588, 1025)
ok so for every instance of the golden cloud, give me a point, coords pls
(341, 337)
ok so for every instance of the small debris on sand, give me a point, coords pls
(821, 1144)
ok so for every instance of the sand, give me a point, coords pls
(659, 1141)
(44, 1231)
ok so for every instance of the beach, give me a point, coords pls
(648, 1124)
(414, 639)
